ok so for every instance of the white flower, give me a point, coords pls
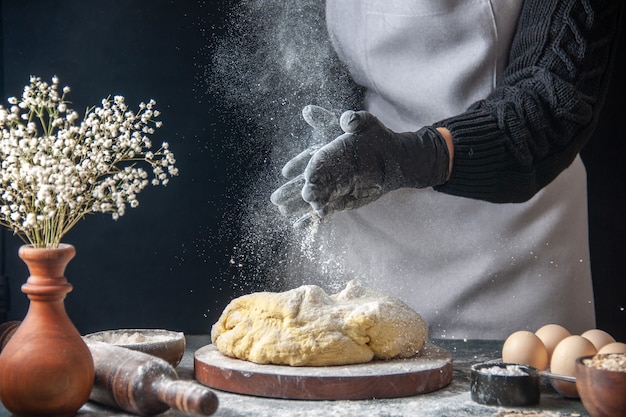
(53, 173)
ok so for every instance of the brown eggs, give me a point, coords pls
(615, 347)
(563, 362)
(524, 347)
(598, 337)
(551, 335)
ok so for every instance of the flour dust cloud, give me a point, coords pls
(274, 58)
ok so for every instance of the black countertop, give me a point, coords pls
(452, 400)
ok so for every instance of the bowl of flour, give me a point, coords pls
(165, 344)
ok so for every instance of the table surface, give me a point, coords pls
(453, 400)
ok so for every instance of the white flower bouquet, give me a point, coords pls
(54, 172)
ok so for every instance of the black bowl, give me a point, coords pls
(505, 389)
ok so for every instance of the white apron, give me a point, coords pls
(473, 269)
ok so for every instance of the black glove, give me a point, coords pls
(325, 124)
(288, 198)
(370, 160)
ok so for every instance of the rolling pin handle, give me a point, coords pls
(188, 397)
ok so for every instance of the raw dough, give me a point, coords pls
(307, 327)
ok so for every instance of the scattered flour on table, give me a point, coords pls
(422, 405)
(517, 413)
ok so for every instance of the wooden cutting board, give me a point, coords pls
(428, 371)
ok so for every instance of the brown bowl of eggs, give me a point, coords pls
(165, 344)
(601, 383)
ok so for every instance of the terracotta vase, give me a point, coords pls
(46, 369)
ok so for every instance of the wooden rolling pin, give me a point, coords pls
(143, 384)
(137, 382)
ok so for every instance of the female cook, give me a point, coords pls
(476, 215)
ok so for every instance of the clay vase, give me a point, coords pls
(46, 369)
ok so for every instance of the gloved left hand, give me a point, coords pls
(324, 128)
(370, 160)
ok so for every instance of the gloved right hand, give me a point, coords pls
(370, 160)
(288, 198)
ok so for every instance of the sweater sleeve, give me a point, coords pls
(531, 127)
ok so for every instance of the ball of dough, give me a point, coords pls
(307, 327)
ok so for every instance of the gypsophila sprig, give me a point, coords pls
(54, 172)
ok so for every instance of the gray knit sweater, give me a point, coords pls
(507, 147)
(530, 128)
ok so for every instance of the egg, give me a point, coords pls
(524, 347)
(551, 335)
(563, 362)
(598, 337)
(615, 347)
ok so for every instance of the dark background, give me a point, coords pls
(166, 264)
